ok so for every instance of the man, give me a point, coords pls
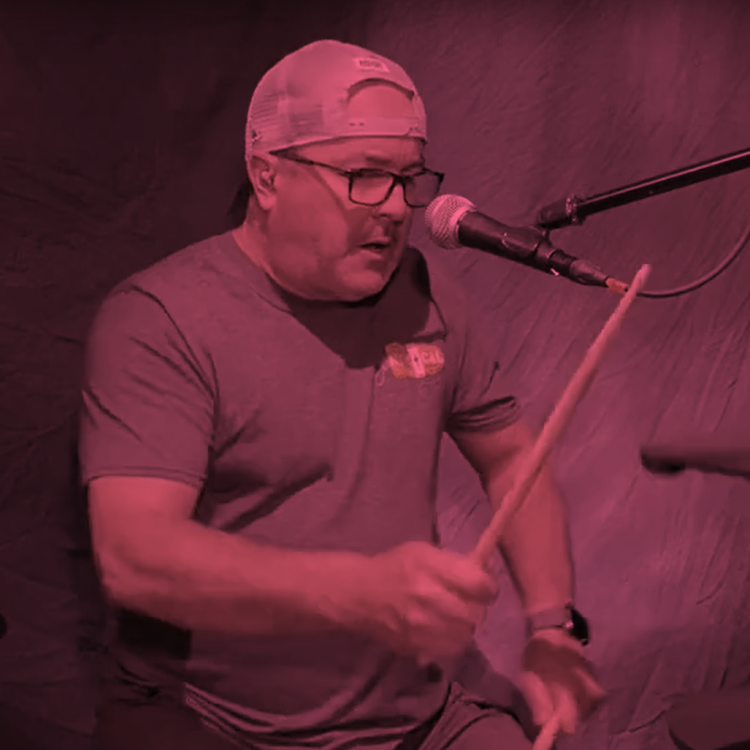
(263, 413)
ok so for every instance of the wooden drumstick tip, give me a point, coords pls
(616, 286)
(621, 288)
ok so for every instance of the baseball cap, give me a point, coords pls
(302, 99)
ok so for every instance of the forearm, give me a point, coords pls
(203, 579)
(536, 543)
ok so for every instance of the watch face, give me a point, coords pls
(580, 629)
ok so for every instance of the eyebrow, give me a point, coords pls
(378, 160)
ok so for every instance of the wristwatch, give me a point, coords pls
(566, 618)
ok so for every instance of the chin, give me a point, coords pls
(366, 286)
(357, 283)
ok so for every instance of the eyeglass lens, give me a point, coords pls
(371, 189)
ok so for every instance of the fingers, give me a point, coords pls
(452, 572)
(435, 602)
(465, 578)
(565, 708)
(538, 697)
(442, 599)
(548, 704)
(566, 672)
(593, 689)
(548, 701)
(547, 735)
(589, 694)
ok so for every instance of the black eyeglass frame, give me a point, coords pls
(352, 174)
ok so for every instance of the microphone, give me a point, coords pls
(453, 222)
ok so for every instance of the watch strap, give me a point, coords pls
(566, 618)
(555, 617)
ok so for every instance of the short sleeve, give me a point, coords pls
(482, 401)
(147, 403)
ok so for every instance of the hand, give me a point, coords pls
(556, 678)
(427, 602)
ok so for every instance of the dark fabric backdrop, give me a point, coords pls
(121, 141)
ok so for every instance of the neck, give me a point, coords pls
(252, 239)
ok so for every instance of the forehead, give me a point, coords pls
(373, 151)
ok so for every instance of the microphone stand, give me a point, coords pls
(711, 454)
(574, 210)
(715, 720)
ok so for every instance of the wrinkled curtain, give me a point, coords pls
(121, 141)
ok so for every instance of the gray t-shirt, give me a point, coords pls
(305, 424)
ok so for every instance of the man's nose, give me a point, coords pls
(395, 205)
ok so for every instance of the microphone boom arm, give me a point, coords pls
(574, 210)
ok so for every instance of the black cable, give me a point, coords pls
(703, 279)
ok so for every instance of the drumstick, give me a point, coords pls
(551, 431)
(546, 737)
(555, 424)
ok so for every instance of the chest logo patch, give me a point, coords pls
(414, 360)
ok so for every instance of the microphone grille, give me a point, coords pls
(442, 217)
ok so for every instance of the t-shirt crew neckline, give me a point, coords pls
(283, 299)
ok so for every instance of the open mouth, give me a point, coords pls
(376, 247)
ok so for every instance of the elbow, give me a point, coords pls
(114, 594)
(116, 582)
(129, 585)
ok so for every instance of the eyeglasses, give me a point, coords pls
(373, 187)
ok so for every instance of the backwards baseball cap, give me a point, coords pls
(303, 98)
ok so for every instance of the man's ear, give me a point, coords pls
(261, 169)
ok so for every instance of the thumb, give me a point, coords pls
(480, 581)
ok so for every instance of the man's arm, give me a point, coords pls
(154, 559)
(536, 543)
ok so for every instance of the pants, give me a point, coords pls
(158, 720)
